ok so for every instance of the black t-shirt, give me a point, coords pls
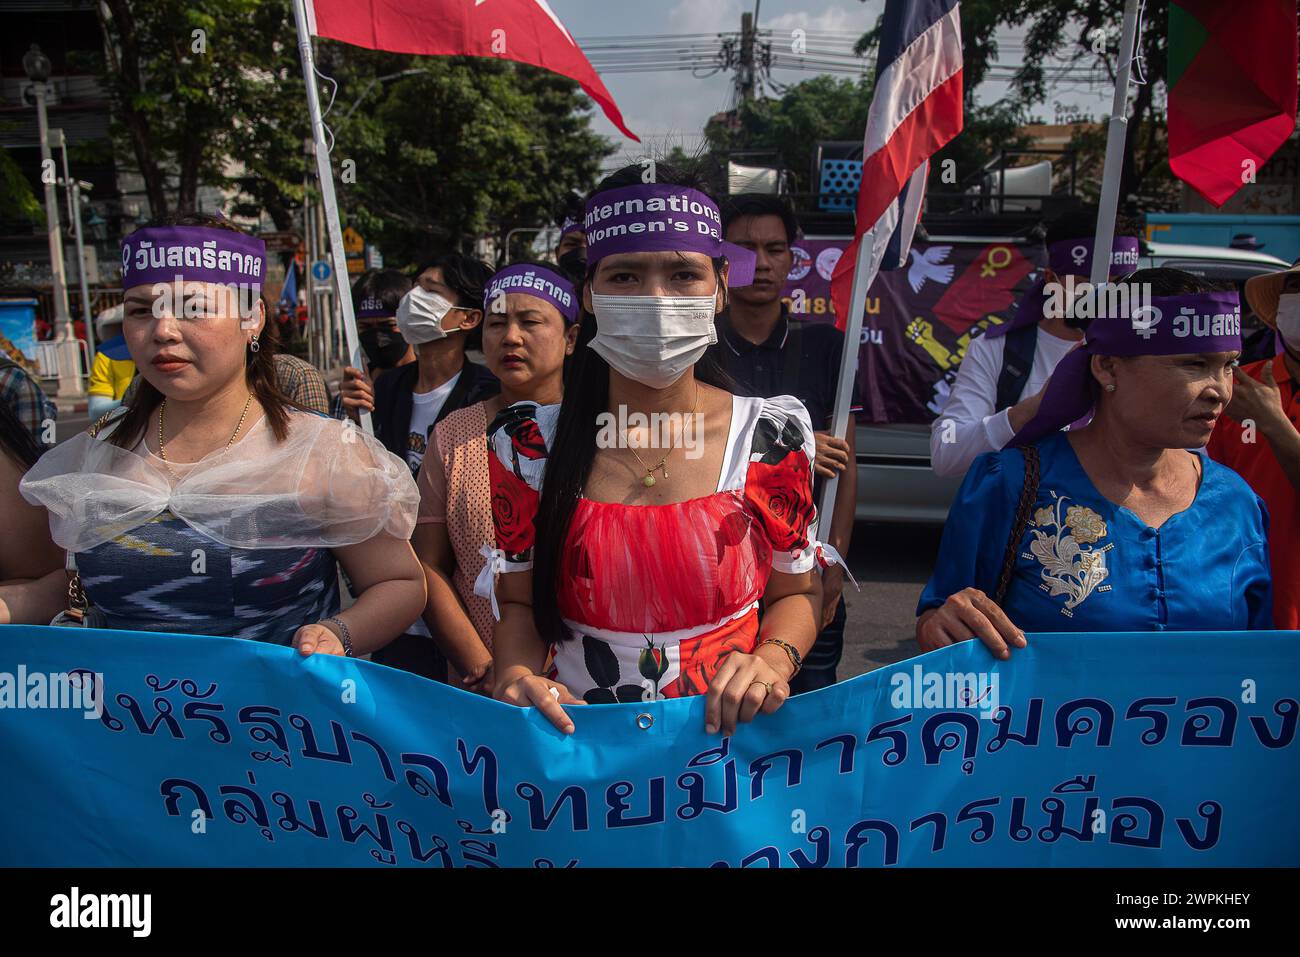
(799, 358)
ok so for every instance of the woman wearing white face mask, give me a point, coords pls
(671, 508)
(1267, 394)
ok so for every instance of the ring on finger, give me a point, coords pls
(767, 685)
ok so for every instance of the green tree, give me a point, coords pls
(465, 147)
(428, 151)
(18, 203)
(821, 108)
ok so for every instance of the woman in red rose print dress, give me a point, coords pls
(638, 567)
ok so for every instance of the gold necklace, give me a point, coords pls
(649, 479)
(162, 452)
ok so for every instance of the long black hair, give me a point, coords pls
(573, 451)
(259, 367)
(15, 441)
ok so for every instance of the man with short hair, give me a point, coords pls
(770, 353)
(1004, 373)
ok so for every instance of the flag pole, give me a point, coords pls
(863, 274)
(1114, 165)
(325, 174)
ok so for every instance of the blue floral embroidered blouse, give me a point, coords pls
(1086, 564)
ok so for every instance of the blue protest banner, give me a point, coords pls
(1089, 750)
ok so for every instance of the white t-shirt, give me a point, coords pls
(975, 428)
(425, 407)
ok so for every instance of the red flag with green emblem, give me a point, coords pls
(1232, 90)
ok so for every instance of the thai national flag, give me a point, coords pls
(915, 109)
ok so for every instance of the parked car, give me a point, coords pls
(895, 481)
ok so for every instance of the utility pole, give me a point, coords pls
(37, 66)
(745, 74)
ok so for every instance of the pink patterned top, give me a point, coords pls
(455, 490)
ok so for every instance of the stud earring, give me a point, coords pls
(1110, 386)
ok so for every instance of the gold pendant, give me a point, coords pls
(648, 480)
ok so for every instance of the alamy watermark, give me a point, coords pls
(655, 430)
(945, 690)
(75, 691)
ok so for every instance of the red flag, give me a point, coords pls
(1232, 90)
(526, 31)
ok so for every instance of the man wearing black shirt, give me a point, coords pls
(770, 353)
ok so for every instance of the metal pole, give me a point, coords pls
(1115, 134)
(326, 177)
(75, 192)
(863, 274)
(63, 148)
(68, 357)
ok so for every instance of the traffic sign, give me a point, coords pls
(353, 244)
(320, 271)
(281, 242)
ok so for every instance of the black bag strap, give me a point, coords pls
(1017, 362)
(1028, 495)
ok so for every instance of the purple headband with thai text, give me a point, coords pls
(372, 307)
(662, 218)
(1163, 326)
(570, 225)
(1068, 257)
(1074, 256)
(534, 281)
(159, 254)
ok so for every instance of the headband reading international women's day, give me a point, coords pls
(1167, 326)
(533, 281)
(166, 254)
(657, 217)
(1068, 257)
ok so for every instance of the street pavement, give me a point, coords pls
(892, 564)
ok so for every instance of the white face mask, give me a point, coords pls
(1288, 319)
(653, 339)
(420, 315)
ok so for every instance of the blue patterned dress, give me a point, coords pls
(166, 576)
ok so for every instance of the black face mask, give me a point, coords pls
(383, 347)
(574, 264)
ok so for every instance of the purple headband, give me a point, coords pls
(1166, 326)
(570, 225)
(659, 218)
(1068, 257)
(159, 254)
(1074, 256)
(534, 281)
(372, 307)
